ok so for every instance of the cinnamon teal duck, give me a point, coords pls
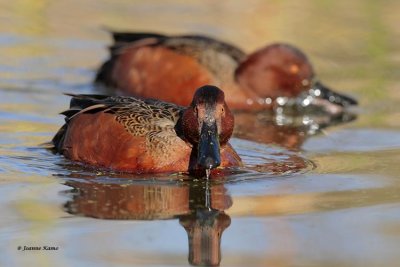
(172, 67)
(149, 136)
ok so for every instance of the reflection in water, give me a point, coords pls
(199, 206)
(314, 202)
(49, 47)
(128, 201)
(284, 129)
(206, 222)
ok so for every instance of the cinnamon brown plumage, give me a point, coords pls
(149, 136)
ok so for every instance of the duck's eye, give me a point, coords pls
(294, 69)
(222, 109)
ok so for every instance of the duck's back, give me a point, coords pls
(168, 68)
(188, 42)
(122, 133)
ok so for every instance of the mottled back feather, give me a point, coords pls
(183, 43)
(152, 119)
(218, 57)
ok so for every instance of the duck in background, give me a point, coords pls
(149, 136)
(170, 68)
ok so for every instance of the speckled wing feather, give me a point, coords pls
(220, 58)
(145, 117)
(191, 43)
(152, 119)
(185, 43)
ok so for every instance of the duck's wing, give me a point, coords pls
(124, 40)
(215, 55)
(147, 117)
(192, 44)
(155, 120)
(185, 42)
(129, 37)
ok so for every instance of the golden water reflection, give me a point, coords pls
(286, 131)
(205, 209)
(198, 206)
(49, 47)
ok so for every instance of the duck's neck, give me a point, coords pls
(179, 128)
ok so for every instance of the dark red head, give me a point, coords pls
(282, 70)
(208, 124)
(276, 70)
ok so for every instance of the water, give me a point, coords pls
(328, 197)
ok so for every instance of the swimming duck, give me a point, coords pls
(172, 67)
(149, 136)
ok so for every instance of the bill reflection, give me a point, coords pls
(199, 207)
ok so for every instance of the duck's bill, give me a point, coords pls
(323, 92)
(208, 150)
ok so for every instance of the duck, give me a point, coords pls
(129, 134)
(172, 67)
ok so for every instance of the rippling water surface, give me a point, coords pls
(322, 198)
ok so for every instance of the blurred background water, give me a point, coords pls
(343, 209)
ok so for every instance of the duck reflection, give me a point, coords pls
(286, 129)
(199, 206)
(206, 222)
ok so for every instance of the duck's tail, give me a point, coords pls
(58, 139)
(79, 104)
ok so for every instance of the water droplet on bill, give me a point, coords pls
(208, 171)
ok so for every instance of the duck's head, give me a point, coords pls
(282, 70)
(208, 124)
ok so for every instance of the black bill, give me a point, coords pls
(209, 156)
(333, 97)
